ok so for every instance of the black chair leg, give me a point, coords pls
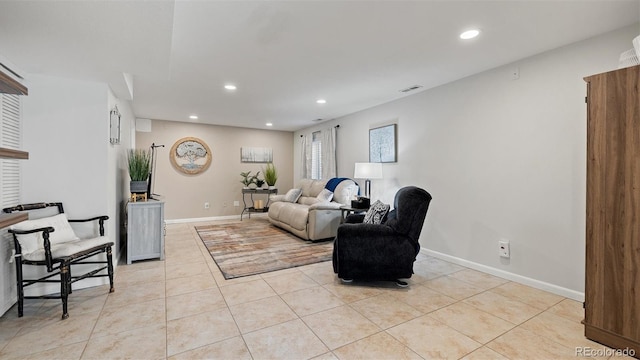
(65, 283)
(110, 269)
(19, 287)
(69, 289)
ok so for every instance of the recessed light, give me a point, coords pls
(469, 34)
(230, 87)
(321, 101)
(269, 124)
(193, 117)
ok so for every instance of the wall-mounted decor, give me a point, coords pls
(114, 126)
(256, 155)
(190, 155)
(382, 144)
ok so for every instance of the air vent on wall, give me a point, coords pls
(411, 88)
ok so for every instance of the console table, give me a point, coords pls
(145, 230)
(251, 206)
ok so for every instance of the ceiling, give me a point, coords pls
(284, 55)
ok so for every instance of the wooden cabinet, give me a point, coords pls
(612, 287)
(145, 230)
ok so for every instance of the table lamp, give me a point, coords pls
(368, 171)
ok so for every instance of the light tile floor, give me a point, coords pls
(182, 308)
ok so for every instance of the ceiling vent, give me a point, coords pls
(316, 120)
(411, 88)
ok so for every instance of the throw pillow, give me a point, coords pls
(32, 242)
(293, 195)
(376, 213)
(325, 195)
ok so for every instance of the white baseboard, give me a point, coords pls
(213, 218)
(555, 289)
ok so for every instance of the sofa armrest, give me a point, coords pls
(325, 206)
(276, 198)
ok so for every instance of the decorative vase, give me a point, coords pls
(137, 187)
(271, 187)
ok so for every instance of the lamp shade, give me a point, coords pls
(368, 171)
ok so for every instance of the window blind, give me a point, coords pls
(10, 138)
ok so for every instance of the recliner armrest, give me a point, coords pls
(354, 219)
(370, 236)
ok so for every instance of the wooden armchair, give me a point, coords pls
(50, 242)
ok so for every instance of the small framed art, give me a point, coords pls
(382, 144)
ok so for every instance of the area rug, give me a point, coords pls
(255, 247)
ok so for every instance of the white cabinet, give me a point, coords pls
(145, 230)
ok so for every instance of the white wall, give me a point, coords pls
(66, 132)
(219, 185)
(502, 158)
(118, 172)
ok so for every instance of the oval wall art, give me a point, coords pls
(190, 155)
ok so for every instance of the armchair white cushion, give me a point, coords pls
(67, 249)
(33, 242)
(63, 239)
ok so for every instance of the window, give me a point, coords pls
(10, 135)
(316, 156)
(9, 139)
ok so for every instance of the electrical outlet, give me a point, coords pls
(236, 203)
(206, 205)
(503, 248)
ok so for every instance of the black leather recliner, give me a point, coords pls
(386, 251)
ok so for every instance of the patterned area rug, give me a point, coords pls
(255, 247)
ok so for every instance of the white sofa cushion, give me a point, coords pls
(307, 200)
(33, 242)
(67, 248)
(312, 188)
(296, 215)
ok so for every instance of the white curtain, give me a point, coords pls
(329, 168)
(327, 154)
(305, 148)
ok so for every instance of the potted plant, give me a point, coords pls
(248, 179)
(139, 161)
(270, 175)
(259, 183)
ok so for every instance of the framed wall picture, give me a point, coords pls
(382, 144)
(190, 155)
(256, 155)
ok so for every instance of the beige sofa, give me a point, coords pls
(312, 216)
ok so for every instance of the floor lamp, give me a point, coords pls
(368, 171)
